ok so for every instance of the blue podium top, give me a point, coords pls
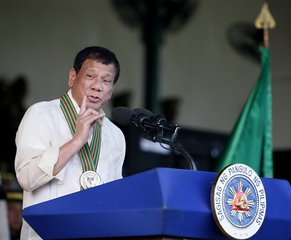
(162, 201)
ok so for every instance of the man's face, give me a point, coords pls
(95, 80)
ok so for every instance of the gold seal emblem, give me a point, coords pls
(238, 201)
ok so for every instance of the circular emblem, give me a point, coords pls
(238, 201)
(90, 179)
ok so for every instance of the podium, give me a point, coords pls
(156, 204)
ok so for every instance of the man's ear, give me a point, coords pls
(72, 76)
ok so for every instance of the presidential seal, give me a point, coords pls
(238, 201)
(90, 179)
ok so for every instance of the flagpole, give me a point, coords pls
(265, 21)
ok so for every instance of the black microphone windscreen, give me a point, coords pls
(143, 111)
(122, 115)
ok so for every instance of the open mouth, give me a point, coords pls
(94, 99)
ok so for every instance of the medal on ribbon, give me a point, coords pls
(89, 154)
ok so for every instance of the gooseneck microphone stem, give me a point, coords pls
(177, 148)
(155, 127)
(180, 149)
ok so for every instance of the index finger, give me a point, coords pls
(83, 105)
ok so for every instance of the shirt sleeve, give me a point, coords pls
(36, 155)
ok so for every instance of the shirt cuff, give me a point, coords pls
(48, 161)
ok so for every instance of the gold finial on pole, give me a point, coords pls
(265, 21)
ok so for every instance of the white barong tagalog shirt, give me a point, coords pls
(41, 132)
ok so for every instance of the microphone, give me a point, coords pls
(142, 118)
(155, 127)
(145, 115)
(122, 115)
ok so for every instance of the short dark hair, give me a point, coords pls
(100, 54)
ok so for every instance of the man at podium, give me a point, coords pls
(68, 144)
